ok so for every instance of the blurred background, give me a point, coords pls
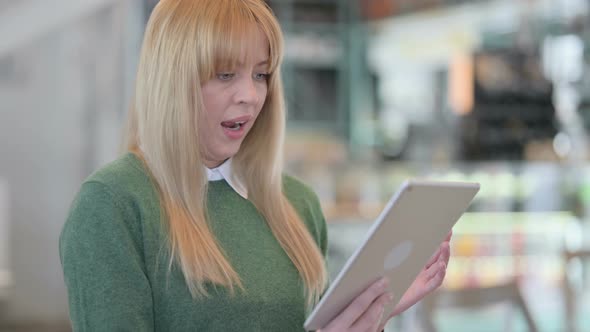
(494, 91)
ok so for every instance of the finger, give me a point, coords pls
(435, 271)
(449, 236)
(437, 279)
(445, 253)
(362, 302)
(433, 276)
(433, 258)
(371, 318)
(375, 326)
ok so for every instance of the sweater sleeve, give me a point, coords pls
(323, 228)
(307, 202)
(102, 259)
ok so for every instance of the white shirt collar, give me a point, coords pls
(225, 172)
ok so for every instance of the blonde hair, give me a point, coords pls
(186, 41)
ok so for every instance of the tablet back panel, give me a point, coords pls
(409, 230)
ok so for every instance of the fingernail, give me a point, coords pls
(384, 282)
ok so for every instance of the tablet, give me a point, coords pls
(398, 245)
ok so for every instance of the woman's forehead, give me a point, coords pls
(255, 48)
(252, 48)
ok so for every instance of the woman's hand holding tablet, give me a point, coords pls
(415, 223)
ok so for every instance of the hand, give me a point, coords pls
(365, 312)
(429, 279)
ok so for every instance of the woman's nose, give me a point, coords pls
(247, 92)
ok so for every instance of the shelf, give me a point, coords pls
(317, 28)
(320, 63)
(509, 222)
(303, 12)
(313, 51)
(487, 272)
(468, 259)
(526, 112)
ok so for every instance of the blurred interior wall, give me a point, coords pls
(63, 96)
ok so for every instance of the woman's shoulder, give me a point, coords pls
(300, 193)
(123, 182)
(112, 196)
(107, 217)
(125, 172)
(296, 187)
(307, 204)
(303, 197)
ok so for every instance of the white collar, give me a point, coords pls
(225, 172)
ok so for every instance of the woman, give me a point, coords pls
(195, 227)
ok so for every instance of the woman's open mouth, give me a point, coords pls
(235, 128)
(233, 125)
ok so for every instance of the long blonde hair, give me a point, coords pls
(186, 41)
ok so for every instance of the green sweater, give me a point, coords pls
(115, 261)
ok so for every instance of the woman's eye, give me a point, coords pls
(225, 76)
(261, 76)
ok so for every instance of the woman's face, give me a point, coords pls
(233, 99)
